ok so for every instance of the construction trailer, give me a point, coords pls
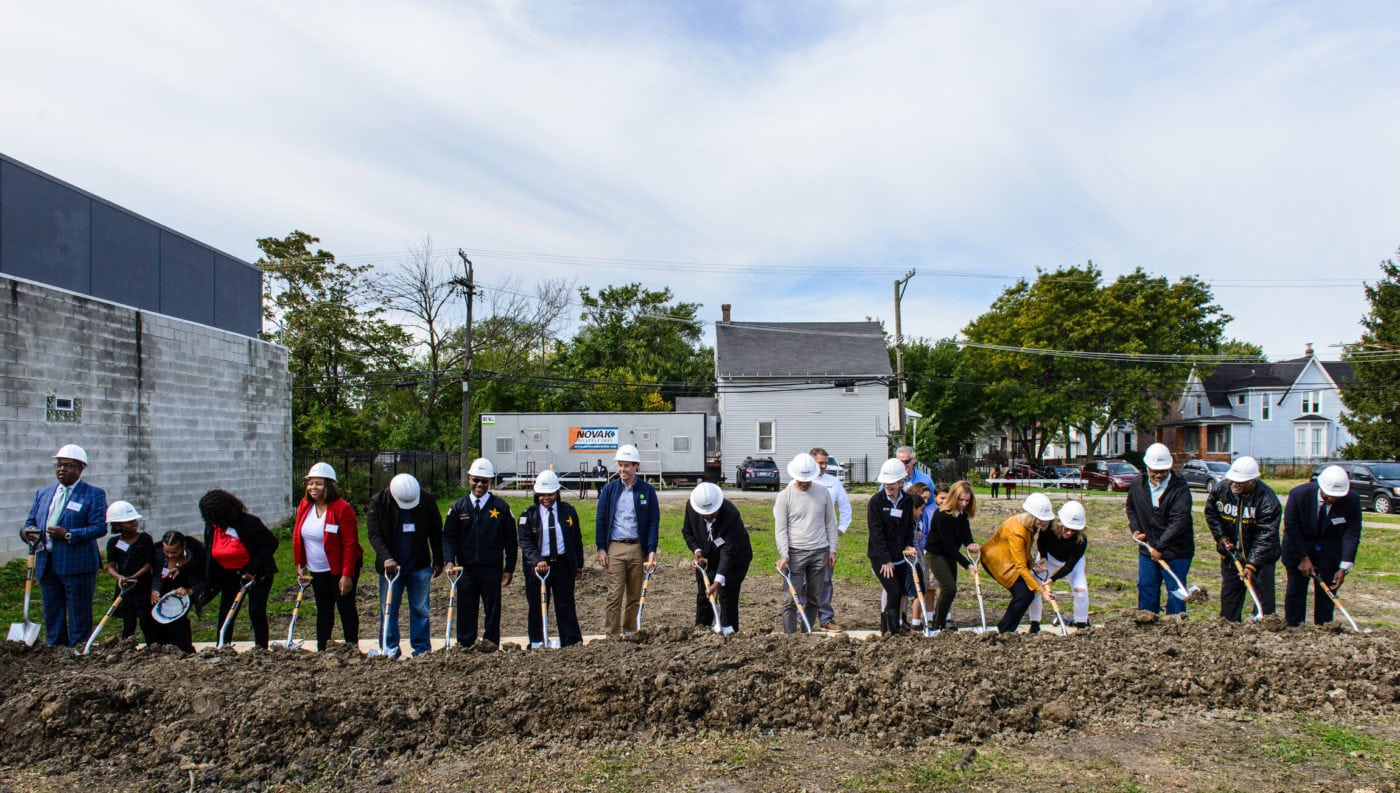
(520, 445)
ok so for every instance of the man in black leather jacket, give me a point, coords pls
(1243, 514)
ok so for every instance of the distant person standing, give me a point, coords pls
(912, 474)
(326, 550)
(804, 524)
(64, 524)
(842, 504)
(1010, 477)
(480, 538)
(405, 530)
(626, 530)
(1159, 514)
(1321, 532)
(995, 477)
(1244, 515)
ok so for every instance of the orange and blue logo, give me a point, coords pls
(592, 439)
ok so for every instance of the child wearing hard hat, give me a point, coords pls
(1007, 557)
(131, 560)
(1061, 548)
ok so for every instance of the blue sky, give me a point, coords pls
(808, 153)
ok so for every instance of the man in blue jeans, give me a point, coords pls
(1159, 514)
(405, 530)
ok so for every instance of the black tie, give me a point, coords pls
(1322, 517)
(549, 530)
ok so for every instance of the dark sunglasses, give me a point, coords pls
(476, 480)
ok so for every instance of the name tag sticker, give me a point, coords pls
(896, 512)
(123, 545)
(409, 528)
(332, 528)
(719, 541)
(524, 519)
(76, 506)
(1338, 521)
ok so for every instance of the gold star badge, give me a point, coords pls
(495, 513)
(569, 521)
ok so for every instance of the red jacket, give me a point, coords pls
(342, 547)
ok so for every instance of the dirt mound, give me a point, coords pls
(280, 716)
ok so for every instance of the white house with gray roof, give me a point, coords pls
(784, 387)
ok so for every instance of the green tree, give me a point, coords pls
(327, 314)
(1087, 384)
(1372, 398)
(951, 409)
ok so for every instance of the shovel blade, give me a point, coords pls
(1181, 594)
(27, 632)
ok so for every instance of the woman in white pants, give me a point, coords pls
(1062, 545)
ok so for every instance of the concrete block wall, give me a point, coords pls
(169, 408)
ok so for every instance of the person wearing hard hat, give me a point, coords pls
(949, 530)
(1061, 548)
(1007, 557)
(479, 538)
(1321, 532)
(842, 502)
(1244, 515)
(241, 550)
(64, 524)
(718, 541)
(326, 549)
(804, 523)
(626, 529)
(889, 517)
(1159, 516)
(551, 545)
(131, 560)
(405, 530)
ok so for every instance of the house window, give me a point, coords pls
(505, 445)
(1198, 406)
(680, 443)
(1218, 438)
(1266, 407)
(851, 389)
(1191, 442)
(1312, 402)
(765, 437)
(1310, 440)
(1239, 400)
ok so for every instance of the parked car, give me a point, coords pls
(1204, 473)
(756, 472)
(1026, 471)
(1376, 482)
(835, 468)
(1069, 475)
(1117, 475)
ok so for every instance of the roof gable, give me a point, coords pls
(801, 349)
(1231, 377)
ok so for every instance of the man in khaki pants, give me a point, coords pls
(629, 519)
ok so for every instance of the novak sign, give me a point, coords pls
(592, 439)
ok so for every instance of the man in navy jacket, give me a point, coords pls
(478, 537)
(64, 524)
(627, 528)
(1321, 531)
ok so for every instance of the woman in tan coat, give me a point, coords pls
(1009, 556)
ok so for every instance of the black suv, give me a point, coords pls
(755, 471)
(1377, 482)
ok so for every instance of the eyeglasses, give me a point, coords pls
(907, 463)
(61, 466)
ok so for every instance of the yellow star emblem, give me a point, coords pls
(569, 521)
(495, 513)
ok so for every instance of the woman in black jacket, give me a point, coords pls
(240, 550)
(181, 563)
(890, 518)
(950, 529)
(715, 534)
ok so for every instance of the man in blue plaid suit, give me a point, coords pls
(64, 524)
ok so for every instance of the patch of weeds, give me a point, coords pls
(937, 774)
(619, 770)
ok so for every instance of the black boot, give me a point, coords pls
(1035, 626)
(1080, 625)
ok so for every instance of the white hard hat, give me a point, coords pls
(1157, 457)
(71, 451)
(706, 498)
(804, 468)
(627, 453)
(322, 470)
(1072, 516)
(1243, 470)
(891, 470)
(1334, 481)
(121, 512)
(483, 468)
(546, 481)
(404, 488)
(1038, 505)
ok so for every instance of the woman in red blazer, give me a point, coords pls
(326, 549)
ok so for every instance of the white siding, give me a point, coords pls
(849, 426)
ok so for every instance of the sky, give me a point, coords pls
(792, 159)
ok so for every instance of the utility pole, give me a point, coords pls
(468, 287)
(899, 286)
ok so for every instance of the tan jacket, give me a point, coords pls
(1007, 556)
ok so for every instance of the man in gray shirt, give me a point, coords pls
(842, 503)
(804, 521)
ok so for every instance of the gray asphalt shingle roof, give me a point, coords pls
(801, 349)
(1230, 377)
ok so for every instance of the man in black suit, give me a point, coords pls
(715, 534)
(1321, 531)
(551, 543)
(478, 538)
